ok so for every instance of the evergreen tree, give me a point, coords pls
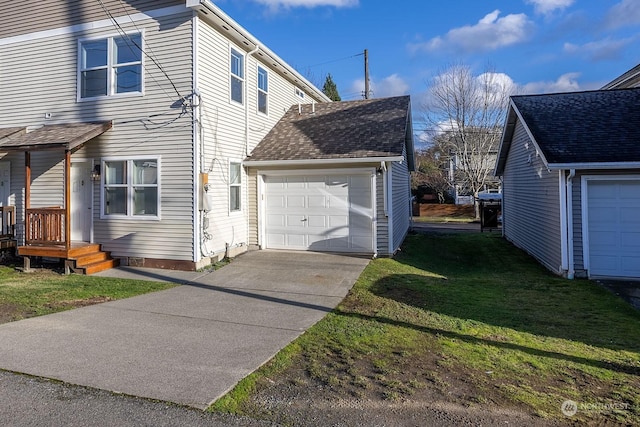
(330, 89)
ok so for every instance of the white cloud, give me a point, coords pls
(546, 7)
(565, 83)
(392, 85)
(276, 4)
(490, 33)
(601, 50)
(625, 13)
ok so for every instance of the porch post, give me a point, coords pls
(27, 180)
(67, 199)
(27, 203)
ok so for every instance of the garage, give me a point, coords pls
(613, 227)
(330, 212)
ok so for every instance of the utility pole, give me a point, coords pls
(366, 74)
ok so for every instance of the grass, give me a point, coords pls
(480, 322)
(25, 295)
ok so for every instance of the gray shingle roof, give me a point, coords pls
(67, 136)
(5, 132)
(336, 130)
(584, 127)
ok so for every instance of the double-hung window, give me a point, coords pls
(110, 66)
(235, 186)
(131, 188)
(263, 90)
(237, 76)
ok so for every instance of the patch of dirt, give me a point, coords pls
(10, 312)
(419, 391)
(446, 210)
(77, 303)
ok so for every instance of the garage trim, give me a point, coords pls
(261, 174)
(584, 196)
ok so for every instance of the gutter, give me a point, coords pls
(321, 162)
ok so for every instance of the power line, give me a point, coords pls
(335, 60)
(133, 42)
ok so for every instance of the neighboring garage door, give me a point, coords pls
(614, 227)
(330, 212)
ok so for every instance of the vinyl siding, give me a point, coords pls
(19, 17)
(531, 203)
(401, 200)
(223, 124)
(39, 76)
(382, 226)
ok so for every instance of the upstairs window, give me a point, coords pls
(237, 76)
(299, 93)
(263, 90)
(110, 66)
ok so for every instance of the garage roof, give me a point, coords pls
(373, 128)
(594, 129)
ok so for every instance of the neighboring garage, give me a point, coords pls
(612, 227)
(323, 212)
(334, 177)
(570, 168)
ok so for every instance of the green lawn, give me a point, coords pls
(25, 295)
(472, 317)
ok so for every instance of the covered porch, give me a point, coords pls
(47, 230)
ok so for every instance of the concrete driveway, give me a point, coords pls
(190, 344)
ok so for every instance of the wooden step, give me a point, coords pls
(91, 258)
(74, 253)
(99, 266)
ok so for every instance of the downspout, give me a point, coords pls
(246, 99)
(246, 136)
(571, 272)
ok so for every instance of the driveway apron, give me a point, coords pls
(190, 344)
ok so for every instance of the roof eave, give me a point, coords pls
(322, 162)
(595, 165)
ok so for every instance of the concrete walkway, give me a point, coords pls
(190, 344)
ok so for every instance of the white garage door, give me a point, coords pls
(319, 212)
(614, 228)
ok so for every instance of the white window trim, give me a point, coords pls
(243, 78)
(130, 215)
(240, 185)
(110, 67)
(259, 90)
(299, 93)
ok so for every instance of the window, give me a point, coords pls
(237, 76)
(110, 66)
(131, 188)
(235, 181)
(299, 93)
(263, 89)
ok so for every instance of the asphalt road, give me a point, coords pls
(30, 401)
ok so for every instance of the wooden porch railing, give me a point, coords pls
(45, 226)
(7, 222)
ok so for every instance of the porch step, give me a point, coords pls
(89, 260)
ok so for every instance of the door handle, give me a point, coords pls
(303, 219)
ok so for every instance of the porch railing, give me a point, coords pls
(7, 222)
(45, 226)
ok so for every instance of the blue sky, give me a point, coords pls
(542, 46)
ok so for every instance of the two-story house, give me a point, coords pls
(128, 126)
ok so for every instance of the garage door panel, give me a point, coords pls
(319, 221)
(321, 212)
(613, 211)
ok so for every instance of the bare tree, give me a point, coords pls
(431, 173)
(465, 115)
